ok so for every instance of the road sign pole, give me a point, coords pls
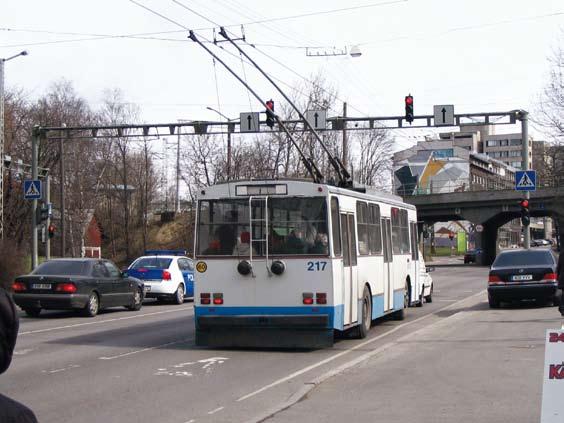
(524, 116)
(34, 164)
(47, 189)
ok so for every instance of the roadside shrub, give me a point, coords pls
(12, 263)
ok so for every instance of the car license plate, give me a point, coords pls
(41, 286)
(522, 278)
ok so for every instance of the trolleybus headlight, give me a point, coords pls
(278, 267)
(244, 267)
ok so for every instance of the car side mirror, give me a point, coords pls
(430, 269)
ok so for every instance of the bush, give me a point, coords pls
(12, 263)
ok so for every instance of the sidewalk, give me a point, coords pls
(444, 260)
(478, 365)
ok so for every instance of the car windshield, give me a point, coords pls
(296, 226)
(151, 263)
(62, 267)
(524, 258)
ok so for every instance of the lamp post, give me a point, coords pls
(2, 61)
(229, 131)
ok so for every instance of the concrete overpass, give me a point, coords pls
(491, 209)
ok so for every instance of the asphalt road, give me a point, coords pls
(144, 367)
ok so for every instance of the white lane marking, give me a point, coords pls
(146, 349)
(190, 421)
(362, 344)
(105, 321)
(447, 301)
(468, 292)
(72, 366)
(23, 352)
(215, 411)
(208, 366)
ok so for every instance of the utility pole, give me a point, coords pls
(34, 164)
(2, 61)
(524, 116)
(178, 174)
(62, 187)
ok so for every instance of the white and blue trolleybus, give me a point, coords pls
(286, 263)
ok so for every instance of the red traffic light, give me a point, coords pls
(409, 100)
(270, 105)
(525, 203)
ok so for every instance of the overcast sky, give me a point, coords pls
(480, 55)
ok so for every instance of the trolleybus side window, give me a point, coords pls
(353, 239)
(375, 232)
(400, 231)
(362, 218)
(335, 227)
(414, 242)
(404, 224)
(396, 231)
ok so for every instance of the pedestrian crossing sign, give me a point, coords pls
(32, 189)
(525, 180)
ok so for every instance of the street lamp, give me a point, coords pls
(229, 130)
(2, 61)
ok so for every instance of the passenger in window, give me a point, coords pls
(321, 244)
(226, 233)
(213, 248)
(243, 246)
(295, 243)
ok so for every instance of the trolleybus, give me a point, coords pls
(286, 263)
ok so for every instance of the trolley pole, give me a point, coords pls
(345, 145)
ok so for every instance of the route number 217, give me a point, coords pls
(316, 266)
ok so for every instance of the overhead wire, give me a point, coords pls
(288, 68)
(352, 78)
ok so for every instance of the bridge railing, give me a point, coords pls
(438, 186)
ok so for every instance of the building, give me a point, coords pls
(438, 166)
(507, 148)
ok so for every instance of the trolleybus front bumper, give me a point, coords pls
(265, 331)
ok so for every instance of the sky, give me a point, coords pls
(480, 55)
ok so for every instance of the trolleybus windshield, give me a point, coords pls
(296, 226)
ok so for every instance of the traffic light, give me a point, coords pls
(51, 231)
(525, 213)
(270, 119)
(409, 108)
(42, 213)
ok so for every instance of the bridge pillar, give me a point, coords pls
(489, 243)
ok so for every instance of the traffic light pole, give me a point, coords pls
(524, 117)
(34, 175)
(48, 221)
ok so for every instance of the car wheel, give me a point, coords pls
(33, 311)
(400, 314)
(137, 301)
(493, 302)
(92, 306)
(421, 298)
(361, 330)
(429, 298)
(179, 295)
(557, 299)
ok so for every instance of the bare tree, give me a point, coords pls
(372, 157)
